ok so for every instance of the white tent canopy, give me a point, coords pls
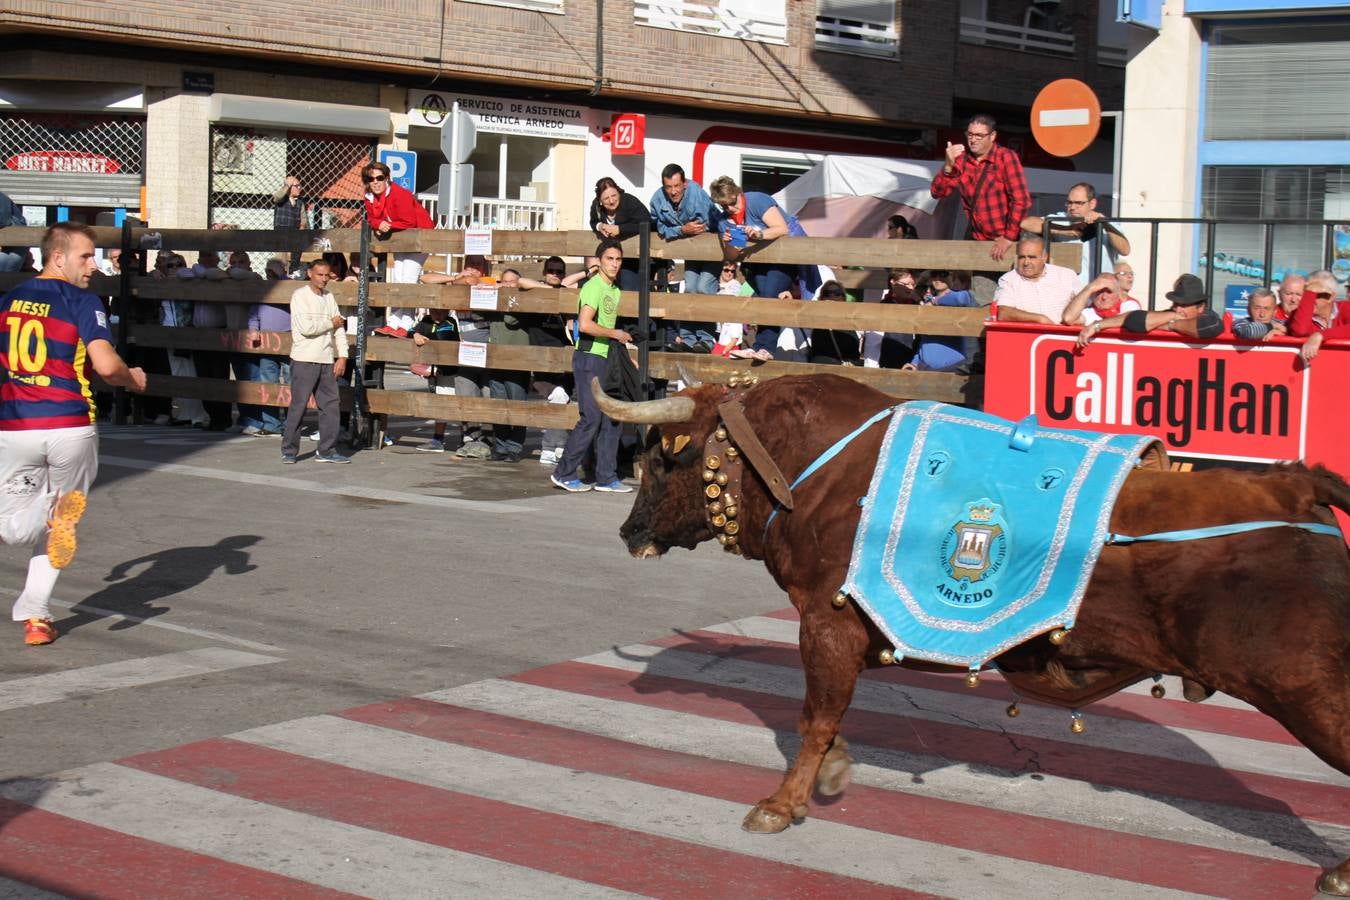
(901, 181)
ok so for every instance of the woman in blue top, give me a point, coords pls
(763, 220)
(934, 353)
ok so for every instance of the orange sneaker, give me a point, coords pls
(66, 513)
(37, 632)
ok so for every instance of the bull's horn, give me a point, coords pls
(689, 380)
(643, 412)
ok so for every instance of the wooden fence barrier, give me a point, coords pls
(840, 253)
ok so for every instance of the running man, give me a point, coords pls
(52, 331)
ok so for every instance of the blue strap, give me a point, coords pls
(1195, 534)
(835, 449)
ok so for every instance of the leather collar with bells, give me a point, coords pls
(725, 452)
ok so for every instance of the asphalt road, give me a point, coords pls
(401, 573)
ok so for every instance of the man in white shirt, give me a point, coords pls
(1088, 227)
(318, 360)
(1035, 290)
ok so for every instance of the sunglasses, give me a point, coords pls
(369, 178)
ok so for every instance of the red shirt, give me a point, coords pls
(1301, 323)
(399, 206)
(1004, 199)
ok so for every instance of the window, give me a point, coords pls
(769, 175)
(857, 26)
(1275, 192)
(1278, 83)
(747, 20)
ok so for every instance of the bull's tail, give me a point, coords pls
(1329, 488)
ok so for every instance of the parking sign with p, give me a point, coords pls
(402, 168)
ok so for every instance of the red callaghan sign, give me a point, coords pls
(1222, 400)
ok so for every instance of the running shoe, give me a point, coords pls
(66, 513)
(37, 632)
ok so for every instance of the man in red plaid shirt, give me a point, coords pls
(992, 185)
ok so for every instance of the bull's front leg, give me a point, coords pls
(833, 646)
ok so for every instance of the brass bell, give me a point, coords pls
(723, 539)
(719, 521)
(972, 679)
(886, 657)
(733, 526)
(734, 381)
(720, 433)
(709, 474)
(839, 600)
(753, 379)
(1076, 724)
(1158, 691)
(715, 507)
(731, 539)
(722, 478)
(732, 453)
(713, 463)
(1012, 710)
(713, 491)
(732, 509)
(1059, 636)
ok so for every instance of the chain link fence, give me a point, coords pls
(76, 143)
(248, 165)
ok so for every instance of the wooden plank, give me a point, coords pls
(103, 285)
(906, 385)
(426, 405)
(418, 404)
(867, 252)
(896, 317)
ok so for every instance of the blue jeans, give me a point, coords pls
(769, 282)
(594, 427)
(503, 386)
(265, 369)
(701, 277)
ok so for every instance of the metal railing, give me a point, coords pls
(504, 215)
(1015, 37)
(1210, 226)
(857, 36)
(709, 17)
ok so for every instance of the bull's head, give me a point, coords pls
(668, 510)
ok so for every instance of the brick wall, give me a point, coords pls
(494, 43)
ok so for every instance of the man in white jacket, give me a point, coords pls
(318, 360)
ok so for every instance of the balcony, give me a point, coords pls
(985, 33)
(854, 36)
(503, 215)
(764, 21)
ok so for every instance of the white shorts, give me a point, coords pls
(34, 467)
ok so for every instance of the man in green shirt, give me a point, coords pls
(597, 311)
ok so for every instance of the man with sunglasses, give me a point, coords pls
(991, 183)
(391, 209)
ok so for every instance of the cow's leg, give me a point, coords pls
(833, 647)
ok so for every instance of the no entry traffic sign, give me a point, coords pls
(1065, 117)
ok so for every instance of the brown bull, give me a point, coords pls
(1263, 617)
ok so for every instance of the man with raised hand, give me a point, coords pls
(52, 332)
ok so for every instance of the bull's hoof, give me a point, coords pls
(1334, 883)
(1194, 691)
(836, 770)
(763, 821)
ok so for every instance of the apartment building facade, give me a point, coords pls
(189, 114)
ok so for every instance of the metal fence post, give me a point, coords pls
(121, 402)
(1152, 264)
(1268, 261)
(645, 307)
(1211, 233)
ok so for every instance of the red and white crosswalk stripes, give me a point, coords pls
(628, 773)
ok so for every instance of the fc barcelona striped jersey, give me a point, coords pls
(46, 325)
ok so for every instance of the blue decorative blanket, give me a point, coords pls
(978, 534)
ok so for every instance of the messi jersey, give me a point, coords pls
(46, 325)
